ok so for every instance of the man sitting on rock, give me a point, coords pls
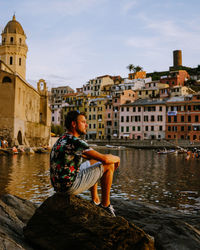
(68, 173)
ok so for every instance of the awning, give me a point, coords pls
(91, 132)
(126, 135)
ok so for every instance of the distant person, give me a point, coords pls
(67, 172)
(4, 144)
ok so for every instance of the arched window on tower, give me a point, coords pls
(11, 60)
(20, 61)
(20, 40)
(6, 79)
(11, 39)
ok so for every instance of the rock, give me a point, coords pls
(14, 213)
(172, 230)
(73, 223)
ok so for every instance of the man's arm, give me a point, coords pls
(104, 158)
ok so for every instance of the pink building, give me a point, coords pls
(143, 119)
(112, 114)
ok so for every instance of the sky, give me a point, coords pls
(73, 41)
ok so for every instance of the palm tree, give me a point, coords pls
(131, 67)
(138, 68)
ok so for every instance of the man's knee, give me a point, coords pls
(109, 167)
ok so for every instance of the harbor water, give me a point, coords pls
(163, 180)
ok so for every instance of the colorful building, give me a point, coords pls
(175, 78)
(112, 114)
(183, 118)
(143, 119)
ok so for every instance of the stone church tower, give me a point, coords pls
(25, 116)
(13, 49)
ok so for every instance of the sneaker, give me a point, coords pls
(109, 209)
(94, 203)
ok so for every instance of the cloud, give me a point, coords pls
(60, 7)
(128, 5)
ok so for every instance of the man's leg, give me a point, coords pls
(106, 182)
(94, 189)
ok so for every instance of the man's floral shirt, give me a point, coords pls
(65, 161)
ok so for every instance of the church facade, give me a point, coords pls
(25, 116)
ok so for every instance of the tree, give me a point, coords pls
(131, 67)
(138, 68)
(57, 129)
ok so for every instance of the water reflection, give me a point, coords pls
(165, 180)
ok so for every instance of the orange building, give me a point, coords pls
(137, 75)
(175, 78)
(183, 118)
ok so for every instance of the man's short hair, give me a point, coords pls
(72, 116)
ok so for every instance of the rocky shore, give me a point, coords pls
(24, 150)
(137, 225)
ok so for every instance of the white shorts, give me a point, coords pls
(87, 177)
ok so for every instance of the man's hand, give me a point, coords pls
(116, 165)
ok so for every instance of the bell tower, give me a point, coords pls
(13, 48)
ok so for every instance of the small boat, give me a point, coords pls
(165, 151)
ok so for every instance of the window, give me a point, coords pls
(11, 60)
(127, 119)
(138, 128)
(169, 128)
(146, 128)
(133, 128)
(6, 79)
(108, 115)
(152, 118)
(160, 128)
(94, 125)
(146, 118)
(196, 118)
(152, 128)
(127, 129)
(134, 109)
(11, 39)
(122, 129)
(182, 128)
(160, 108)
(159, 118)
(189, 128)
(182, 118)
(189, 118)
(20, 61)
(122, 119)
(122, 109)
(139, 109)
(169, 118)
(127, 109)
(175, 118)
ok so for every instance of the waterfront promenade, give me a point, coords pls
(143, 144)
(147, 144)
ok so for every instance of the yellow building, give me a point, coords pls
(151, 90)
(74, 101)
(25, 116)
